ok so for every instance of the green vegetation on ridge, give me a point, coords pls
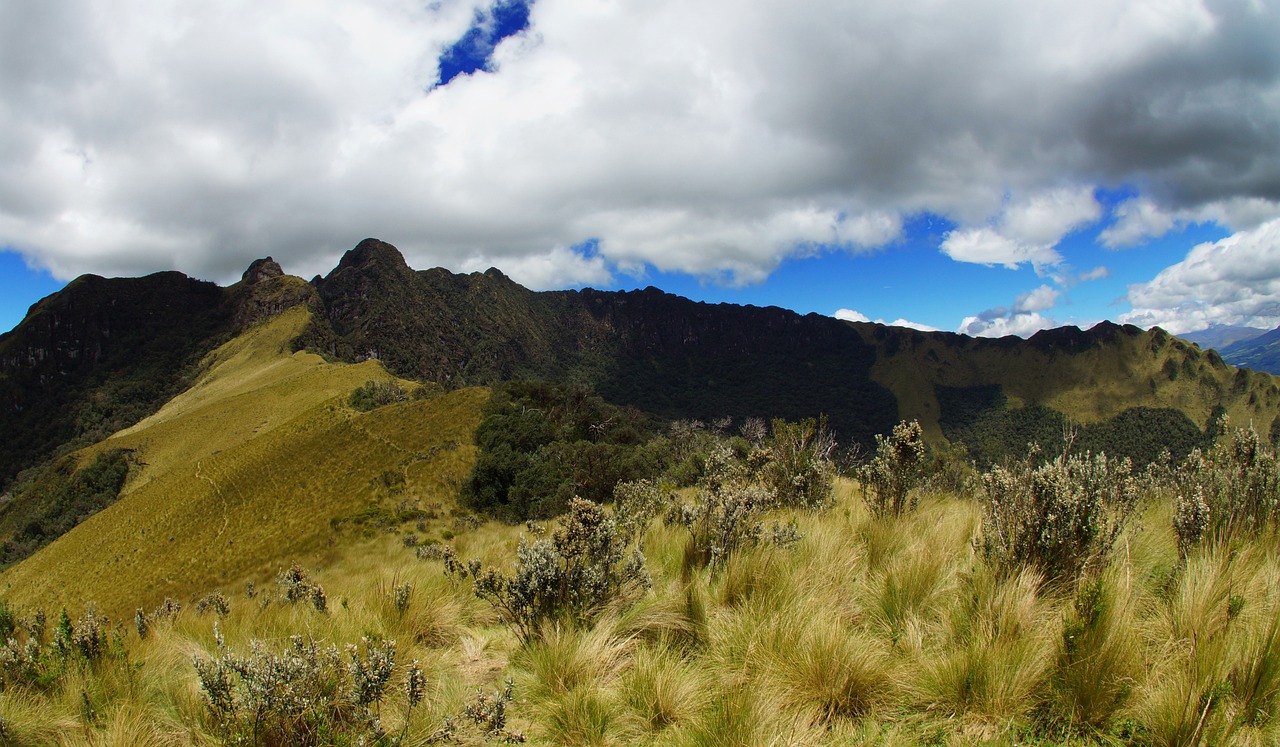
(61, 498)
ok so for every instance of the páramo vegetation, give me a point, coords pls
(726, 584)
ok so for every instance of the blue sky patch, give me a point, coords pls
(474, 51)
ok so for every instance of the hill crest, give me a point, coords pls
(662, 353)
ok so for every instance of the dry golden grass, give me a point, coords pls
(251, 468)
(867, 632)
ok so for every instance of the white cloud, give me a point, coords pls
(1022, 319)
(1040, 299)
(714, 137)
(900, 322)
(849, 315)
(1232, 281)
(1022, 325)
(988, 246)
(1044, 219)
(1026, 231)
(1137, 220)
(1140, 219)
(557, 268)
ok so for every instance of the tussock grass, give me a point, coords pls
(565, 659)
(997, 655)
(866, 632)
(662, 690)
(1100, 663)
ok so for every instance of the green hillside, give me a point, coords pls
(101, 354)
(1137, 391)
(260, 462)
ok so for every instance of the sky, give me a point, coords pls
(989, 167)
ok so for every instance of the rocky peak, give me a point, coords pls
(261, 269)
(373, 252)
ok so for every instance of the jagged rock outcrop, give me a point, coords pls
(261, 270)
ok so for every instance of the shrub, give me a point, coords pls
(298, 586)
(7, 620)
(401, 596)
(889, 480)
(636, 504)
(168, 610)
(569, 577)
(214, 602)
(88, 636)
(20, 662)
(1233, 488)
(727, 513)
(374, 394)
(280, 698)
(34, 624)
(799, 469)
(1060, 518)
(541, 445)
(371, 673)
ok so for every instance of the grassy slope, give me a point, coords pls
(868, 632)
(1146, 369)
(244, 472)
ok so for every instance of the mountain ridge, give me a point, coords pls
(1220, 336)
(1261, 353)
(103, 353)
(662, 353)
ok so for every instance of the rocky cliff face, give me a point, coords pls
(103, 353)
(659, 352)
(678, 358)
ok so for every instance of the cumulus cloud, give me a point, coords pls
(1040, 299)
(716, 138)
(1022, 325)
(988, 246)
(1232, 281)
(1137, 220)
(1023, 318)
(849, 315)
(1043, 219)
(1026, 231)
(555, 269)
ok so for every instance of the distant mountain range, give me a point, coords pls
(1246, 347)
(1219, 336)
